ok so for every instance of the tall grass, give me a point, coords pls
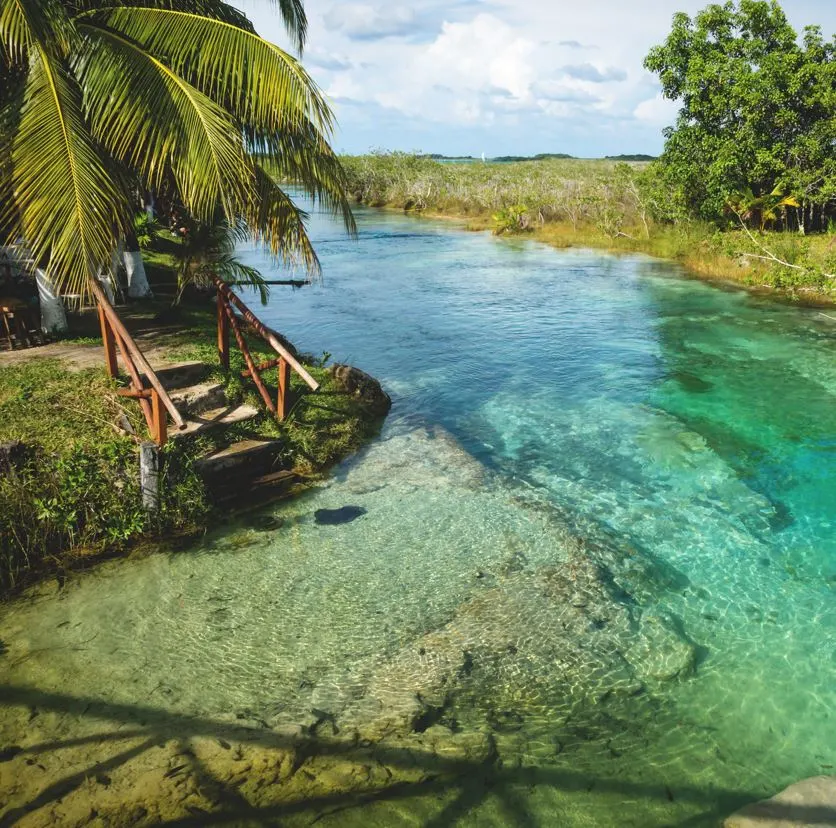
(571, 202)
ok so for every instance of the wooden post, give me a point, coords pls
(160, 417)
(149, 477)
(284, 388)
(223, 334)
(109, 344)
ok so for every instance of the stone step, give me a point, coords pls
(249, 470)
(253, 455)
(195, 399)
(182, 374)
(214, 418)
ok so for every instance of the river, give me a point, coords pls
(599, 543)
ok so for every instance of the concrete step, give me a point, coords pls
(216, 417)
(204, 396)
(182, 374)
(253, 455)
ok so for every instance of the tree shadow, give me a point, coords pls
(463, 784)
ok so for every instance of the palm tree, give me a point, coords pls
(100, 101)
(208, 250)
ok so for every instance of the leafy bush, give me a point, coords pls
(513, 219)
(71, 490)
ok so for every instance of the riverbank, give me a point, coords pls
(598, 205)
(69, 471)
(702, 252)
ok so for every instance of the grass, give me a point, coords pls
(69, 493)
(599, 204)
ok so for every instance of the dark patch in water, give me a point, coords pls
(334, 517)
(692, 383)
(505, 721)
(9, 753)
(781, 517)
(267, 523)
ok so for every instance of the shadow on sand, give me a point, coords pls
(457, 786)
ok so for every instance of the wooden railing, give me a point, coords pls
(153, 398)
(228, 303)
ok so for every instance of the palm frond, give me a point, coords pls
(295, 21)
(69, 205)
(303, 158)
(275, 220)
(155, 121)
(253, 79)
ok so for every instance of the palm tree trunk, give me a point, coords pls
(53, 315)
(138, 287)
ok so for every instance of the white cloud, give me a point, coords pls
(656, 110)
(509, 76)
(588, 72)
(356, 20)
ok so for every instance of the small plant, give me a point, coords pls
(513, 219)
(145, 229)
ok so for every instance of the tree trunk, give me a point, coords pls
(138, 287)
(53, 315)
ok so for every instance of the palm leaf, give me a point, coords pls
(280, 224)
(257, 82)
(156, 122)
(69, 205)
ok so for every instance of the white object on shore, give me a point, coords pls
(138, 287)
(53, 315)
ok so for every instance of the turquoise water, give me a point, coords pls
(599, 530)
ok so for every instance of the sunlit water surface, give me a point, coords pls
(539, 396)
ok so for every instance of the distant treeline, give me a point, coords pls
(541, 156)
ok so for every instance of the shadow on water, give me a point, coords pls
(458, 786)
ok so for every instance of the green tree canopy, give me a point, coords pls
(758, 109)
(100, 100)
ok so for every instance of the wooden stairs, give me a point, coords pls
(244, 467)
(186, 395)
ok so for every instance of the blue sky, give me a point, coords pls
(496, 76)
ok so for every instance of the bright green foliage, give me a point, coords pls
(511, 219)
(175, 96)
(208, 250)
(145, 229)
(758, 110)
(74, 489)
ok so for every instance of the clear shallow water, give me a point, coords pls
(551, 408)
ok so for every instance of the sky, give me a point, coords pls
(500, 77)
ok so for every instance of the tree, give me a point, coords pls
(208, 250)
(758, 109)
(177, 96)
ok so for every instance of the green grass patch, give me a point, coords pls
(69, 473)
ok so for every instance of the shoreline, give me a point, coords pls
(69, 480)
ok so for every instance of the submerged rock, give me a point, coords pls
(560, 638)
(360, 384)
(334, 517)
(810, 803)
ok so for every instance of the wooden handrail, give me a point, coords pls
(265, 333)
(242, 345)
(136, 356)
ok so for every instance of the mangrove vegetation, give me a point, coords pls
(744, 190)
